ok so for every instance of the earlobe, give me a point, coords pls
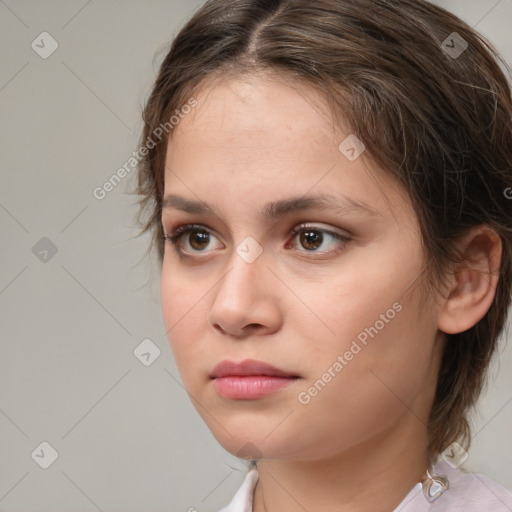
(473, 282)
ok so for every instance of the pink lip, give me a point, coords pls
(247, 367)
(249, 379)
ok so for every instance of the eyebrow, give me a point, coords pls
(277, 209)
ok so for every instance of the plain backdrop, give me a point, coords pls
(77, 296)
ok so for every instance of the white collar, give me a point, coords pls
(467, 492)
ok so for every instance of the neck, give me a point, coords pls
(373, 476)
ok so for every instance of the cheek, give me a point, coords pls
(386, 347)
(182, 296)
(171, 299)
(393, 367)
(373, 294)
(383, 382)
(379, 336)
(352, 308)
(183, 314)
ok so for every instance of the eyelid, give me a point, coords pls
(342, 239)
(183, 229)
(319, 227)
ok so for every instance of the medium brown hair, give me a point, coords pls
(439, 122)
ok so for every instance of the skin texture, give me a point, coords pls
(361, 440)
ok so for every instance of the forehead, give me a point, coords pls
(267, 134)
(257, 104)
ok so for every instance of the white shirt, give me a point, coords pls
(467, 492)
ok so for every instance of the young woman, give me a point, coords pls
(332, 209)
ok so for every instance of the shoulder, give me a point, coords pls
(242, 500)
(471, 492)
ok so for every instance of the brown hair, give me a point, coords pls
(438, 121)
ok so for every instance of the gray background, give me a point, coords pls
(126, 434)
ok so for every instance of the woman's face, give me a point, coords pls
(344, 317)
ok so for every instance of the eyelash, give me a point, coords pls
(175, 236)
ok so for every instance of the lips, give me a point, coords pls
(249, 379)
(248, 367)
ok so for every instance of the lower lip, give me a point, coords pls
(251, 386)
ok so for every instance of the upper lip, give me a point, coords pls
(247, 367)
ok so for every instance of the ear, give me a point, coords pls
(473, 283)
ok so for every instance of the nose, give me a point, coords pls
(245, 301)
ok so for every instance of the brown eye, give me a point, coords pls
(190, 239)
(311, 239)
(198, 239)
